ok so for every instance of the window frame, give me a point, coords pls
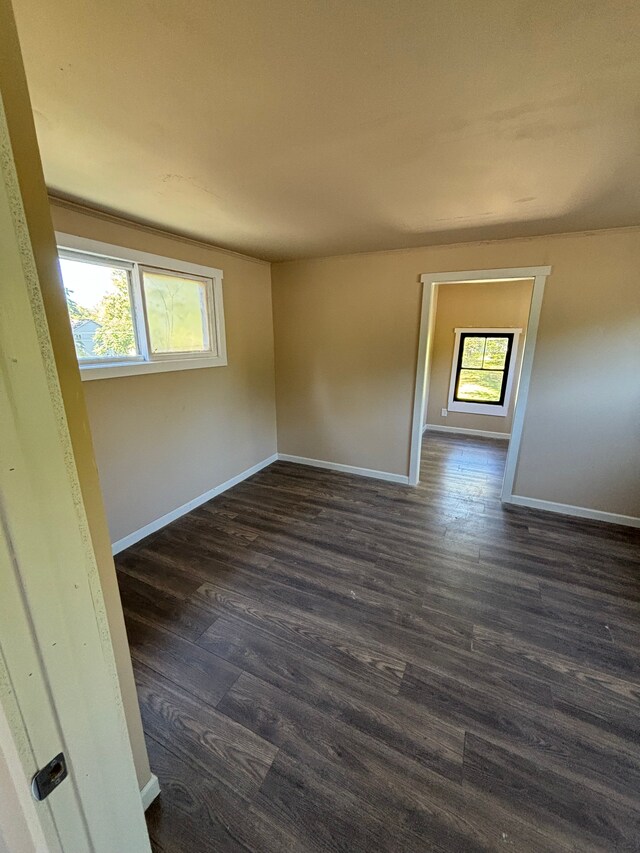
(469, 406)
(211, 313)
(136, 262)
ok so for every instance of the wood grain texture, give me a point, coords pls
(197, 813)
(200, 735)
(330, 663)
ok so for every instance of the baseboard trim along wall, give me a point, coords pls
(516, 500)
(150, 528)
(480, 433)
(578, 511)
(346, 469)
(150, 791)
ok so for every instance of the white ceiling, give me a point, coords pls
(297, 128)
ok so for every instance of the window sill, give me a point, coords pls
(478, 409)
(113, 370)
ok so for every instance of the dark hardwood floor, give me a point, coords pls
(331, 663)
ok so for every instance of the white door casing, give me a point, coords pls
(58, 684)
(430, 283)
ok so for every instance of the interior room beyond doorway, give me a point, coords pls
(490, 320)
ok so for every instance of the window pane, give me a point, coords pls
(473, 352)
(480, 386)
(495, 354)
(99, 307)
(176, 313)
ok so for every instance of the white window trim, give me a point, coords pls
(482, 408)
(146, 363)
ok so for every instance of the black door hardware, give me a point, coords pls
(49, 777)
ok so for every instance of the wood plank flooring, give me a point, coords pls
(331, 663)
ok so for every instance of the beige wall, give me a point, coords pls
(489, 305)
(166, 438)
(346, 338)
(15, 96)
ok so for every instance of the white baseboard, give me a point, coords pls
(516, 500)
(150, 528)
(150, 791)
(480, 433)
(346, 469)
(578, 511)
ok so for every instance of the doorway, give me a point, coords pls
(431, 283)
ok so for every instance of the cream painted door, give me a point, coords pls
(58, 686)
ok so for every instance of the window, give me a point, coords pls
(177, 312)
(99, 302)
(482, 371)
(132, 312)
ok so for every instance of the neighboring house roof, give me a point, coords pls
(85, 325)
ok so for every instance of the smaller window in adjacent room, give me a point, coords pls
(483, 370)
(132, 312)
